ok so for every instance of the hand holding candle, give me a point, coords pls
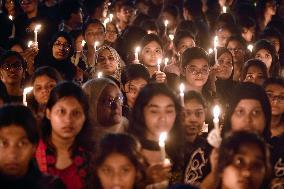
(26, 91)
(181, 94)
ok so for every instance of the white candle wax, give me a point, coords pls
(181, 94)
(26, 91)
(162, 139)
(215, 48)
(37, 28)
(250, 47)
(216, 114)
(159, 65)
(110, 17)
(136, 54)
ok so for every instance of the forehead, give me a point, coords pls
(13, 130)
(105, 52)
(275, 88)
(186, 39)
(192, 104)
(12, 60)
(110, 90)
(94, 26)
(152, 44)
(234, 43)
(161, 100)
(43, 79)
(200, 62)
(61, 39)
(248, 104)
(262, 51)
(226, 55)
(254, 69)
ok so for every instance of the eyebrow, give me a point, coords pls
(157, 106)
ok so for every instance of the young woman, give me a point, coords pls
(117, 167)
(243, 162)
(254, 71)
(111, 33)
(43, 80)
(66, 145)
(157, 110)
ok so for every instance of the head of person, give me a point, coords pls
(93, 30)
(124, 11)
(237, 46)
(71, 12)
(193, 115)
(43, 80)
(133, 78)
(254, 71)
(224, 33)
(62, 47)
(29, 6)
(156, 110)
(192, 9)
(265, 51)
(15, 45)
(225, 19)
(274, 88)
(273, 36)
(195, 66)
(225, 60)
(78, 37)
(105, 99)
(111, 32)
(169, 12)
(248, 109)
(265, 7)
(151, 50)
(108, 61)
(18, 140)
(117, 167)
(243, 161)
(150, 26)
(183, 40)
(248, 27)
(67, 115)
(12, 68)
(189, 26)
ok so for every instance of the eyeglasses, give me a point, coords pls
(15, 66)
(66, 46)
(103, 59)
(111, 102)
(272, 97)
(195, 71)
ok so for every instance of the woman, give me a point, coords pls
(66, 145)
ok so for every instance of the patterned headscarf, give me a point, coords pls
(119, 61)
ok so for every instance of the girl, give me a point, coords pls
(243, 162)
(111, 33)
(157, 110)
(151, 53)
(254, 71)
(66, 145)
(117, 167)
(265, 51)
(43, 80)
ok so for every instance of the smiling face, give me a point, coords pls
(159, 115)
(151, 53)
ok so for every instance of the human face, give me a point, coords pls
(67, 118)
(255, 75)
(106, 62)
(193, 118)
(42, 87)
(270, 7)
(111, 33)
(225, 69)
(159, 115)
(132, 89)
(275, 42)
(237, 51)
(16, 151)
(28, 6)
(125, 14)
(12, 71)
(265, 57)
(78, 43)
(151, 53)
(275, 94)
(247, 169)
(94, 32)
(109, 108)
(248, 34)
(197, 72)
(223, 36)
(184, 44)
(248, 115)
(61, 48)
(167, 16)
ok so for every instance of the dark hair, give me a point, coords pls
(67, 7)
(9, 54)
(231, 145)
(189, 26)
(149, 24)
(248, 91)
(274, 80)
(247, 22)
(256, 63)
(4, 96)
(181, 35)
(194, 7)
(92, 21)
(148, 38)
(237, 38)
(193, 95)
(65, 35)
(225, 19)
(134, 71)
(271, 32)
(193, 53)
(91, 5)
(22, 117)
(230, 27)
(172, 10)
(265, 44)
(220, 51)
(75, 34)
(70, 89)
(125, 145)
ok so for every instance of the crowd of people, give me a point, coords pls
(145, 94)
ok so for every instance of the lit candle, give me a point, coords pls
(215, 48)
(110, 17)
(216, 114)
(224, 9)
(96, 45)
(100, 74)
(210, 50)
(250, 47)
(30, 44)
(166, 22)
(159, 64)
(137, 50)
(26, 91)
(83, 43)
(10, 17)
(105, 22)
(171, 36)
(166, 61)
(162, 144)
(181, 94)
(37, 28)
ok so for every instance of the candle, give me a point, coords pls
(137, 50)
(250, 47)
(181, 94)
(100, 74)
(10, 17)
(166, 61)
(83, 43)
(162, 144)
(210, 50)
(105, 22)
(110, 17)
(167, 161)
(37, 28)
(96, 45)
(216, 114)
(224, 9)
(171, 36)
(215, 48)
(159, 64)
(26, 91)
(30, 44)
(166, 22)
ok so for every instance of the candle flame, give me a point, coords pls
(30, 44)
(162, 139)
(83, 43)
(137, 49)
(181, 88)
(216, 41)
(166, 61)
(216, 112)
(100, 74)
(10, 17)
(110, 17)
(210, 50)
(159, 61)
(224, 9)
(250, 47)
(28, 90)
(166, 22)
(171, 36)
(37, 27)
